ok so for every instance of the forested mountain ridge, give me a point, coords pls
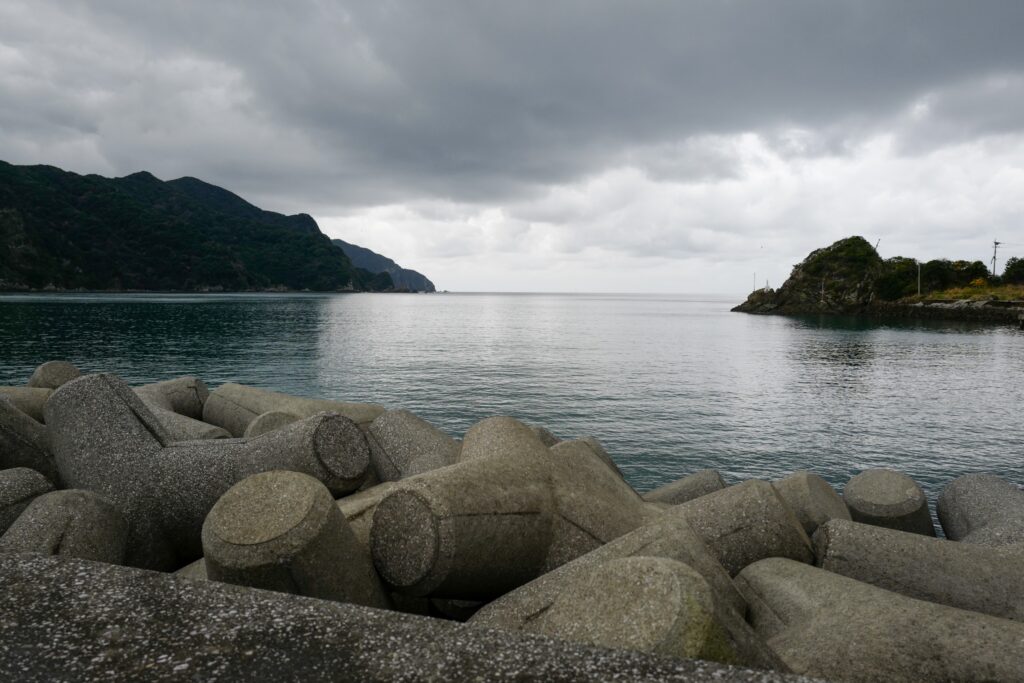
(60, 230)
(404, 278)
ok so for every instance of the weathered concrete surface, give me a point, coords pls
(599, 449)
(826, 625)
(653, 605)
(53, 374)
(545, 435)
(71, 523)
(358, 509)
(233, 406)
(178, 405)
(811, 499)
(29, 400)
(283, 531)
(745, 523)
(670, 536)
(269, 421)
(403, 445)
(687, 488)
(182, 428)
(75, 620)
(982, 509)
(106, 440)
(25, 442)
(18, 486)
(889, 499)
(978, 578)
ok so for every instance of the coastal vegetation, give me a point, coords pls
(61, 231)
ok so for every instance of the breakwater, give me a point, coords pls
(378, 520)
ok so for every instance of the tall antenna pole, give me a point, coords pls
(995, 248)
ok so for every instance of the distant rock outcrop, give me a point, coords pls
(371, 261)
(837, 279)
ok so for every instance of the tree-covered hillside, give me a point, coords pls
(66, 231)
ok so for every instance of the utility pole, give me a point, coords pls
(995, 248)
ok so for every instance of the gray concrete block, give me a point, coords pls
(976, 578)
(182, 395)
(982, 509)
(687, 488)
(182, 428)
(359, 507)
(106, 440)
(745, 523)
(283, 531)
(830, 626)
(71, 523)
(53, 374)
(888, 499)
(25, 442)
(74, 620)
(811, 499)
(269, 421)
(545, 435)
(602, 453)
(29, 400)
(403, 444)
(233, 406)
(18, 486)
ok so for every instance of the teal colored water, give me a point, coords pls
(669, 384)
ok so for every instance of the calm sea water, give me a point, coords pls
(669, 384)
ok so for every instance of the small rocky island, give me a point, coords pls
(167, 532)
(850, 278)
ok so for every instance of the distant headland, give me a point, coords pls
(61, 231)
(849, 277)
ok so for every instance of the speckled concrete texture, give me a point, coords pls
(283, 531)
(71, 523)
(29, 400)
(978, 578)
(74, 620)
(747, 522)
(233, 406)
(545, 435)
(53, 374)
(269, 421)
(106, 440)
(183, 395)
(403, 445)
(601, 452)
(889, 499)
(182, 428)
(811, 499)
(653, 605)
(25, 442)
(18, 486)
(687, 488)
(826, 625)
(982, 509)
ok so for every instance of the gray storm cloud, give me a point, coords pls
(650, 129)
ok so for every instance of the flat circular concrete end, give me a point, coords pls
(883, 493)
(405, 541)
(265, 507)
(269, 421)
(341, 448)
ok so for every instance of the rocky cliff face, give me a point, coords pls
(840, 278)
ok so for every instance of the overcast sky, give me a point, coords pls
(626, 146)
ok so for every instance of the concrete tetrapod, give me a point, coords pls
(269, 421)
(24, 442)
(18, 486)
(178, 405)
(63, 619)
(53, 374)
(653, 605)
(29, 400)
(975, 578)
(982, 509)
(888, 499)
(830, 626)
(811, 499)
(72, 523)
(403, 445)
(283, 531)
(509, 510)
(106, 440)
(233, 406)
(683, 490)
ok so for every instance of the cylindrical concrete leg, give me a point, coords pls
(29, 400)
(811, 499)
(283, 531)
(53, 374)
(684, 490)
(24, 442)
(888, 499)
(18, 487)
(269, 421)
(982, 509)
(72, 523)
